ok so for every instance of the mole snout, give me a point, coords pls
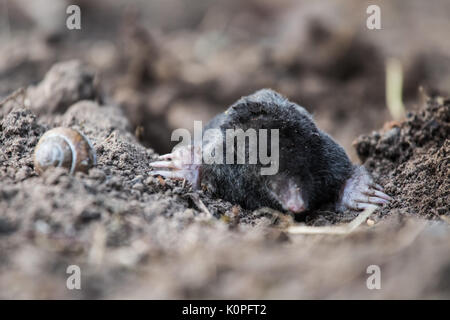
(288, 194)
(295, 205)
(313, 170)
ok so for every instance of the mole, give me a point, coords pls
(313, 170)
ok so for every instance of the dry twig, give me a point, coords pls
(199, 203)
(342, 229)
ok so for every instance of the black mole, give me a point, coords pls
(313, 170)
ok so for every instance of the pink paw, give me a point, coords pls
(360, 192)
(182, 163)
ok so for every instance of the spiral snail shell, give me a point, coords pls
(64, 147)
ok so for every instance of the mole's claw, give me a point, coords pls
(179, 165)
(372, 200)
(379, 194)
(375, 186)
(163, 164)
(166, 156)
(169, 174)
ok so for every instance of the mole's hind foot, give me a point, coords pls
(360, 192)
(182, 163)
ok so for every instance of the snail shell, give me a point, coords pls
(64, 147)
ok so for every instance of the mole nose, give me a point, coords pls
(296, 205)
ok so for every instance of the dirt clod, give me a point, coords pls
(63, 85)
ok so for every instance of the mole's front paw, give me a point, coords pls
(182, 163)
(360, 192)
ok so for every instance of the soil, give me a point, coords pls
(138, 236)
(411, 159)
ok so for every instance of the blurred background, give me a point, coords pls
(168, 63)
